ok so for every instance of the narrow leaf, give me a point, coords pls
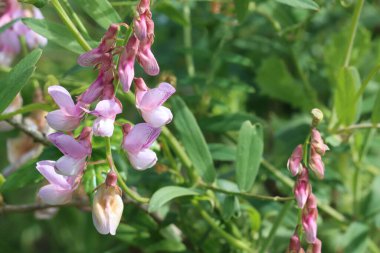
(166, 194)
(101, 11)
(249, 154)
(241, 9)
(193, 140)
(376, 109)
(15, 80)
(303, 4)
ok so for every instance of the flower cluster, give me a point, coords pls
(10, 44)
(306, 200)
(65, 174)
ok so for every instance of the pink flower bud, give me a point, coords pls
(95, 90)
(295, 244)
(111, 179)
(295, 161)
(302, 188)
(317, 143)
(316, 247)
(107, 209)
(143, 6)
(316, 163)
(140, 28)
(127, 62)
(309, 219)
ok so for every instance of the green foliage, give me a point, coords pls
(303, 4)
(166, 194)
(193, 140)
(101, 11)
(15, 80)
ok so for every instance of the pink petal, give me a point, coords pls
(54, 195)
(107, 108)
(90, 58)
(143, 160)
(68, 145)
(141, 136)
(156, 97)
(158, 117)
(103, 127)
(63, 99)
(148, 62)
(58, 120)
(68, 166)
(46, 168)
(93, 92)
(140, 28)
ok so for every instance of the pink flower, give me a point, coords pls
(75, 152)
(317, 143)
(107, 206)
(136, 143)
(60, 188)
(295, 244)
(316, 247)
(295, 161)
(106, 111)
(69, 116)
(95, 90)
(309, 219)
(302, 188)
(127, 61)
(100, 54)
(150, 101)
(316, 163)
(139, 25)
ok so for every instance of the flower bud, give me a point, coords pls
(107, 208)
(295, 244)
(317, 142)
(317, 116)
(316, 164)
(309, 219)
(302, 188)
(316, 247)
(294, 162)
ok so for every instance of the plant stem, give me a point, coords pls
(133, 195)
(358, 126)
(353, 29)
(229, 238)
(77, 20)
(366, 81)
(275, 226)
(36, 135)
(70, 25)
(187, 40)
(246, 194)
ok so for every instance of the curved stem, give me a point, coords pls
(70, 25)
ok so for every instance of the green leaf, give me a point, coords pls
(249, 153)
(222, 152)
(229, 205)
(346, 106)
(101, 11)
(56, 33)
(8, 25)
(303, 4)
(241, 9)
(275, 80)
(356, 238)
(375, 118)
(226, 122)
(193, 140)
(167, 8)
(166, 194)
(15, 80)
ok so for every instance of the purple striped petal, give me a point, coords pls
(141, 136)
(68, 145)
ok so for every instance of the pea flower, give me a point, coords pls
(295, 161)
(295, 244)
(136, 143)
(309, 219)
(302, 188)
(316, 164)
(150, 101)
(107, 206)
(106, 111)
(127, 61)
(60, 188)
(75, 151)
(316, 247)
(69, 116)
(317, 143)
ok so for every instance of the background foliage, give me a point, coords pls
(268, 62)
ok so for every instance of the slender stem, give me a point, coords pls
(366, 81)
(249, 195)
(355, 189)
(123, 185)
(372, 246)
(70, 25)
(275, 226)
(187, 40)
(353, 29)
(358, 126)
(235, 242)
(25, 109)
(75, 17)
(36, 206)
(36, 135)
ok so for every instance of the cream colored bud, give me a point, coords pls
(107, 209)
(317, 116)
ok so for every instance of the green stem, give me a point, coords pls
(70, 25)
(229, 238)
(366, 81)
(26, 109)
(75, 17)
(187, 40)
(358, 126)
(353, 29)
(275, 226)
(133, 195)
(246, 194)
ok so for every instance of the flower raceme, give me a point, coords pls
(10, 44)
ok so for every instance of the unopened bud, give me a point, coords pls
(317, 116)
(316, 247)
(111, 178)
